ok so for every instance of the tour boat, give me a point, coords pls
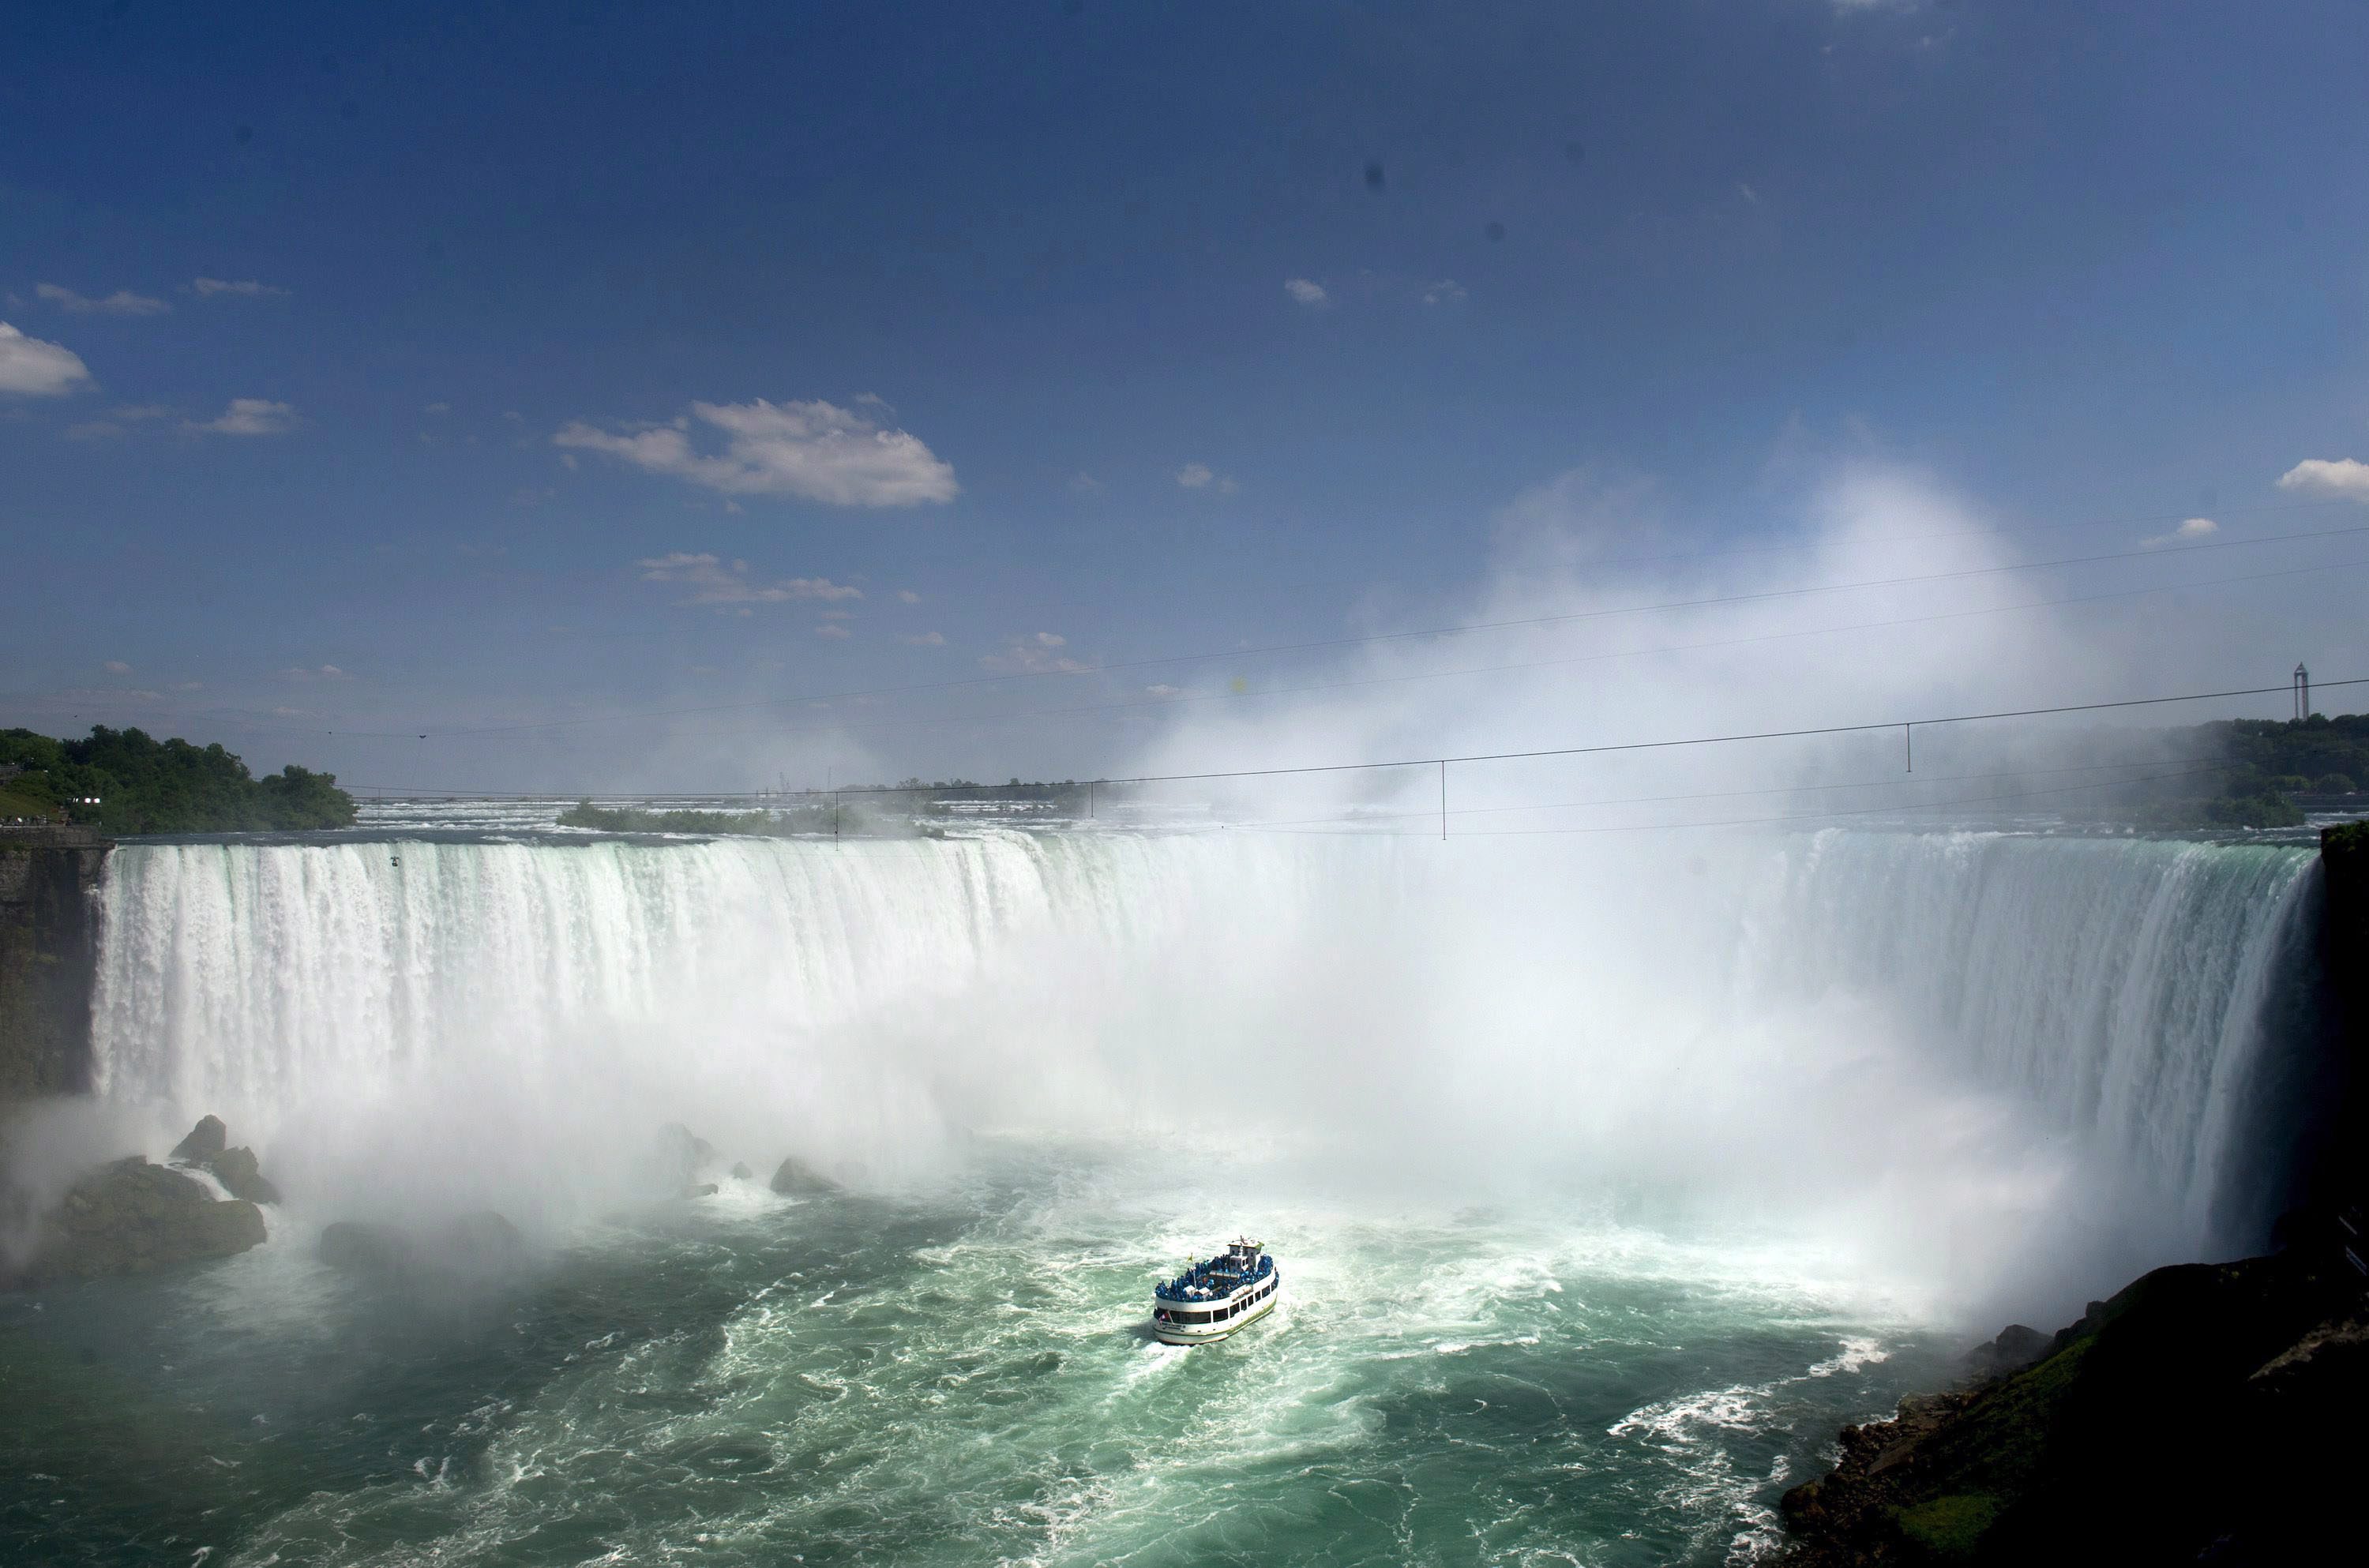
(1210, 1300)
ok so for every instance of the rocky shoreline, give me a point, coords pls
(131, 1216)
(2209, 1412)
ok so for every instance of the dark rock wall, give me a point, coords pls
(49, 942)
(2339, 1144)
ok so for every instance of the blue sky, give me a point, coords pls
(431, 368)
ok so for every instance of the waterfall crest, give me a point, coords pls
(1658, 1001)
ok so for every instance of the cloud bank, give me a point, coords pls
(31, 368)
(817, 451)
(123, 302)
(2344, 476)
(250, 417)
(711, 581)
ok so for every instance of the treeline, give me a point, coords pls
(141, 785)
(2256, 766)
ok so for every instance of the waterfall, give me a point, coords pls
(1740, 1002)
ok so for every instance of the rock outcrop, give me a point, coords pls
(237, 1168)
(796, 1178)
(237, 1171)
(131, 1216)
(481, 1244)
(2207, 1412)
(206, 1140)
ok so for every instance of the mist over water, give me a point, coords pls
(1934, 1049)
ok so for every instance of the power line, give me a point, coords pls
(1790, 816)
(1866, 728)
(1862, 728)
(1183, 699)
(1320, 644)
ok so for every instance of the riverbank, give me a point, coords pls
(2207, 1412)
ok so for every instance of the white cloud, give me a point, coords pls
(2344, 476)
(123, 302)
(1037, 655)
(1163, 690)
(831, 629)
(928, 639)
(1307, 292)
(317, 672)
(133, 412)
(2194, 529)
(1747, 193)
(1085, 483)
(1194, 476)
(207, 288)
(1446, 291)
(906, 596)
(438, 408)
(116, 667)
(714, 581)
(250, 417)
(817, 450)
(33, 368)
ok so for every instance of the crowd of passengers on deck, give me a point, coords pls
(1204, 1281)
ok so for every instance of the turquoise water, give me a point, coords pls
(961, 1375)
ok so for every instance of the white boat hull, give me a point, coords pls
(1174, 1332)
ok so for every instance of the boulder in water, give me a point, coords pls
(236, 1170)
(796, 1178)
(131, 1217)
(367, 1248)
(205, 1142)
(479, 1244)
(740, 1172)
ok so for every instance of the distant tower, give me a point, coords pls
(2302, 693)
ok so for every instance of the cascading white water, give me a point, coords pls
(1766, 1013)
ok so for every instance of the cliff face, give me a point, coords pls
(47, 947)
(2338, 1179)
(2209, 1412)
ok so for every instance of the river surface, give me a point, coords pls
(962, 1378)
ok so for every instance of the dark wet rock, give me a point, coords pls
(478, 1245)
(131, 1217)
(740, 1172)
(367, 1248)
(700, 1189)
(2207, 1412)
(683, 1153)
(796, 1178)
(236, 1170)
(2015, 1348)
(206, 1140)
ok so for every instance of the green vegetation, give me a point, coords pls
(2349, 838)
(1950, 1528)
(2263, 764)
(145, 785)
(2206, 1406)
